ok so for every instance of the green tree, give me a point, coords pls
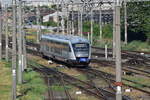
(107, 29)
(139, 20)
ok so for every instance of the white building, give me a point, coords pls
(53, 16)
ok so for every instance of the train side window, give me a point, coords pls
(47, 48)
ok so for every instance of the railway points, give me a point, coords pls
(56, 49)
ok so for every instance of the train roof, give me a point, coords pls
(71, 38)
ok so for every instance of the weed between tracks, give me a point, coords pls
(33, 89)
(5, 81)
(145, 81)
(135, 94)
(70, 71)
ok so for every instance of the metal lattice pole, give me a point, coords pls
(14, 52)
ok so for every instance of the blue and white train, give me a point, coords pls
(73, 50)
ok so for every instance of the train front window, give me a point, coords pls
(81, 47)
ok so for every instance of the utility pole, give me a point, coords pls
(81, 23)
(24, 60)
(57, 6)
(24, 52)
(20, 44)
(0, 31)
(78, 20)
(72, 21)
(91, 26)
(38, 23)
(62, 21)
(114, 32)
(125, 21)
(14, 60)
(118, 52)
(67, 20)
(6, 33)
(100, 22)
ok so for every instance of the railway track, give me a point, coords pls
(35, 52)
(50, 80)
(111, 79)
(125, 68)
(123, 51)
(88, 88)
(133, 57)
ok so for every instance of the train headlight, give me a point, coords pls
(83, 59)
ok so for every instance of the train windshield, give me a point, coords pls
(81, 47)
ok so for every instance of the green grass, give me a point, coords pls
(82, 77)
(5, 81)
(137, 45)
(131, 46)
(144, 81)
(35, 87)
(58, 87)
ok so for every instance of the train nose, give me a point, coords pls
(82, 54)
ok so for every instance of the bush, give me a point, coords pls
(137, 45)
(108, 31)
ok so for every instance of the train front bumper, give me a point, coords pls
(79, 61)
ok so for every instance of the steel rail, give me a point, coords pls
(71, 80)
(112, 78)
